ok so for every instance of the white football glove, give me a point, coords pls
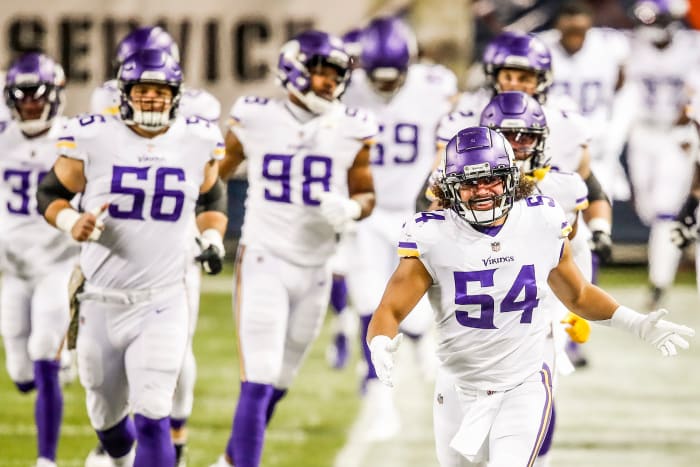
(382, 349)
(339, 210)
(662, 334)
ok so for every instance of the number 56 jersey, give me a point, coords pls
(290, 162)
(151, 186)
(490, 326)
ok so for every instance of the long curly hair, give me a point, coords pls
(526, 187)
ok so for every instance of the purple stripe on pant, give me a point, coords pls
(546, 414)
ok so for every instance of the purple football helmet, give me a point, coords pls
(657, 20)
(472, 154)
(521, 120)
(659, 11)
(388, 46)
(522, 52)
(304, 52)
(146, 37)
(155, 67)
(34, 80)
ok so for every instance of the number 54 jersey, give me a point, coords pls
(491, 328)
(151, 186)
(290, 162)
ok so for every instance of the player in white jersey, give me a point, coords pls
(497, 255)
(308, 175)
(141, 176)
(657, 74)
(408, 100)
(591, 78)
(521, 120)
(193, 103)
(35, 260)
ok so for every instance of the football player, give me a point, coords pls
(141, 176)
(36, 260)
(496, 251)
(658, 76)
(408, 100)
(309, 176)
(193, 103)
(591, 79)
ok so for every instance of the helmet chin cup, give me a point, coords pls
(316, 104)
(34, 127)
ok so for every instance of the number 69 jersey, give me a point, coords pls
(151, 186)
(491, 327)
(290, 163)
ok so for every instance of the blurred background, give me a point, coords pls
(230, 48)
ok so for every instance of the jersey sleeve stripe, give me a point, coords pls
(409, 249)
(565, 229)
(65, 144)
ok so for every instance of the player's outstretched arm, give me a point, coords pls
(403, 291)
(593, 303)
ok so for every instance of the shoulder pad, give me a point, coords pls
(203, 128)
(200, 103)
(420, 232)
(359, 124)
(553, 216)
(246, 108)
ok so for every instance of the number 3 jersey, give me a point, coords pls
(151, 185)
(491, 328)
(29, 246)
(290, 162)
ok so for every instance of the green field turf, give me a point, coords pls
(309, 427)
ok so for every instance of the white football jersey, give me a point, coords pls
(589, 77)
(490, 326)
(151, 185)
(661, 77)
(289, 164)
(567, 129)
(193, 103)
(405, 149)
(28, 244)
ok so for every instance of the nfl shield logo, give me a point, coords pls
(496, 246)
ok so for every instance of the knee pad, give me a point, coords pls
(152, 403)
(19, 365)
(44, 345)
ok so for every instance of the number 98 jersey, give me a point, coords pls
(491, 326)
(151, 185)
(290, 162)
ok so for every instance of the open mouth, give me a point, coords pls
(481, 204)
